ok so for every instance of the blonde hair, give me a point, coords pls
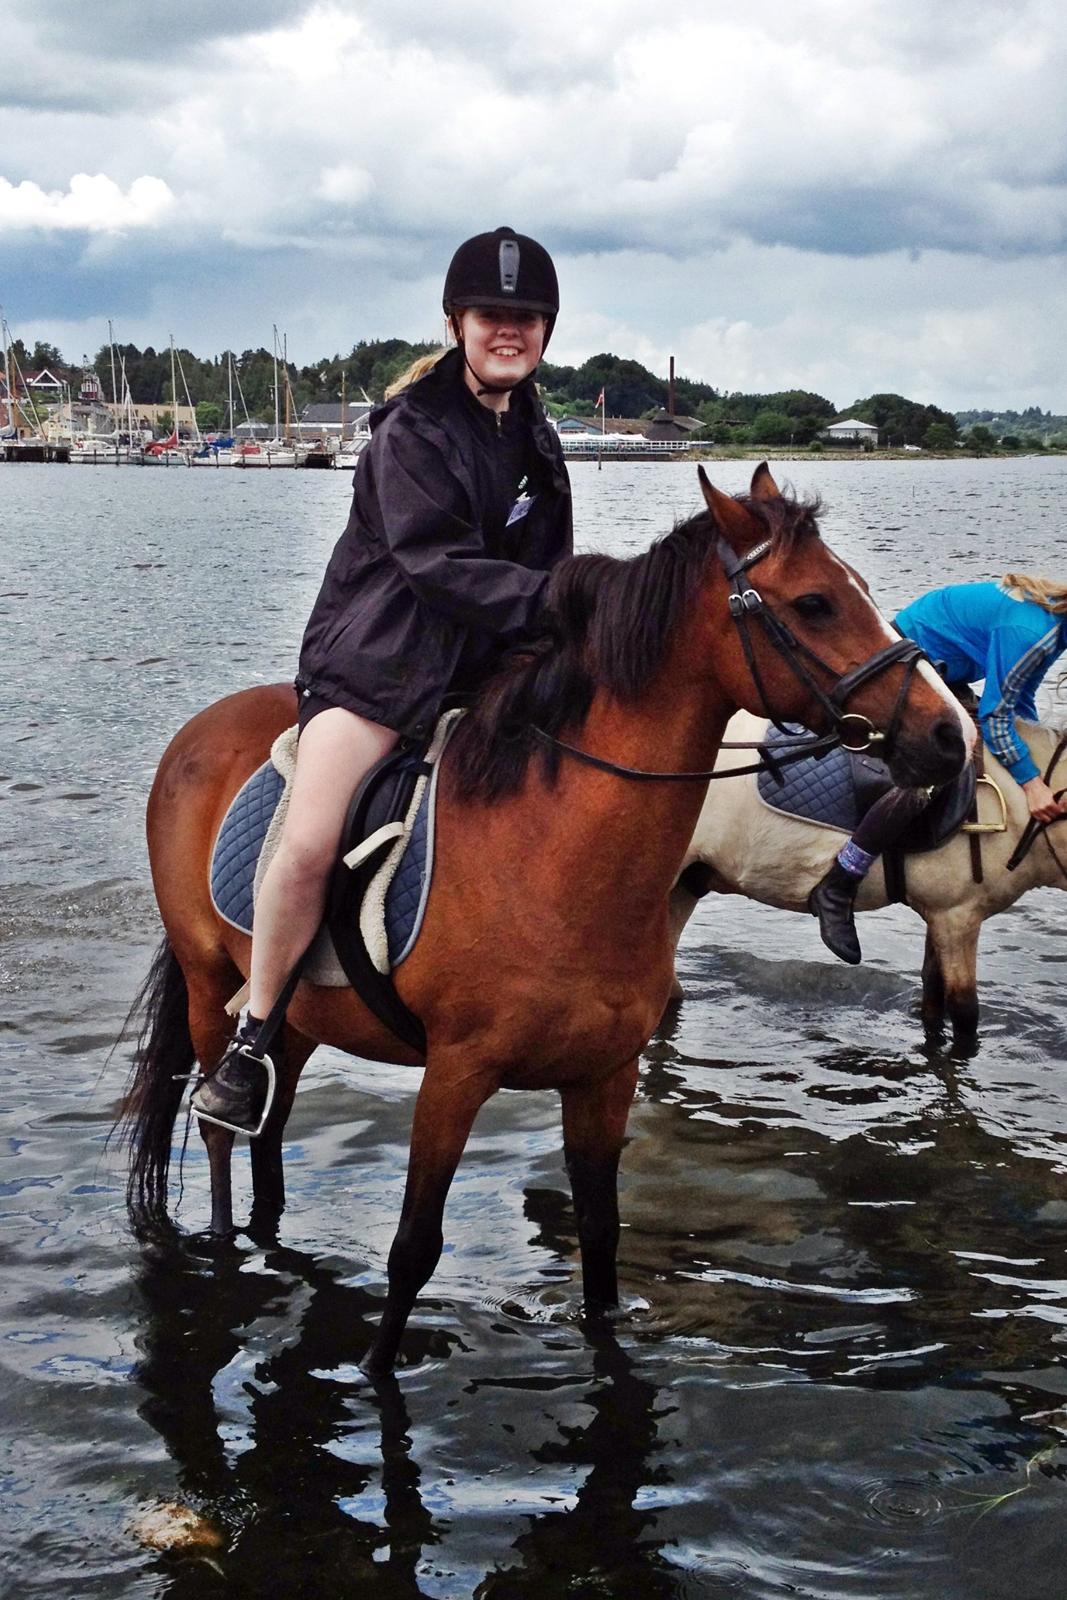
(418, 369)
(1045, 592)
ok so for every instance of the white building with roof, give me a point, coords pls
(850, 430)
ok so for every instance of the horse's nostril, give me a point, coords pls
(948, 737)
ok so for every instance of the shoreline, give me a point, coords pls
(708, 452)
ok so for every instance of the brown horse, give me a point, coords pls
(556, 980)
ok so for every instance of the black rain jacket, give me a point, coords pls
(429, 583)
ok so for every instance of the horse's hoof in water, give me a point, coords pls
(373, 1371)
(263, 1223)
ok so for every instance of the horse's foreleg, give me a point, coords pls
(444, 1114)
(594, 1127)
(268, 1178)
(954, 938)
(933, 1001)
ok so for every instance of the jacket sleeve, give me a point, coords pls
(437, 543)
(1015, 664)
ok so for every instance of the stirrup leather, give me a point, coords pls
(267, 1064)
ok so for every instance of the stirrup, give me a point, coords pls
(267, 1064)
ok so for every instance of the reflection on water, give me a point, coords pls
(838, 1370)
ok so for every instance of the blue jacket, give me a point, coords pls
(979, 632)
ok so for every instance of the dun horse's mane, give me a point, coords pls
(612, 620)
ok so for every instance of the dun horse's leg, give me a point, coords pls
(955, 940)
(268, 1178)
(594, 1127)
(933, 1002)
(444, 1114)
(681, 906)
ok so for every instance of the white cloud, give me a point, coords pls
(90, 205)
(779, 194)
(345, 184)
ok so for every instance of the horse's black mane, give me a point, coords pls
(610, 624)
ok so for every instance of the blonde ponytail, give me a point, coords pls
(1045, 592)
(418, 369)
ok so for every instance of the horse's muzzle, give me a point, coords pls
(934, 758)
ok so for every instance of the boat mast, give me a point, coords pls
(285, 376)
(7, 376)
(275, 327)
(173, 390)
(127, 402)
(341, 451)
(229, 376)
(114, 387)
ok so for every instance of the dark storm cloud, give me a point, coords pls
(129, 30)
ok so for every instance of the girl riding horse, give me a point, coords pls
(545, 957)
(1009, 634)
(461, 508)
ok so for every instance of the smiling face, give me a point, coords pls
(503, 345)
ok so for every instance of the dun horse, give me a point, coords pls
(558, 978)
(753, 850)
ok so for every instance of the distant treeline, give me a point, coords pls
(788, 417)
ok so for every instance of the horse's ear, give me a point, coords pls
(732, 520)
(763, 485)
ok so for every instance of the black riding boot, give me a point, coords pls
(236, 1093)
(832, 901)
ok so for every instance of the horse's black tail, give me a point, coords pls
(163, 1055)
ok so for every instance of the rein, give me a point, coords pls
(815, 746)
(747, 605)
(1034, 828)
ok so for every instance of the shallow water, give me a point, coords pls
(838, 1371)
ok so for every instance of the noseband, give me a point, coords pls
(747, 606)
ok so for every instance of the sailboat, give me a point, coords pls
(218, 449)
(276, 452)
(168, 452)
(350, 450)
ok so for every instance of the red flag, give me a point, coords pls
(599, 401)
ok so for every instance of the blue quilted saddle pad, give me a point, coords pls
(818, 790)
(240, 840)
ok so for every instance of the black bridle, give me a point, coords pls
(747, 606)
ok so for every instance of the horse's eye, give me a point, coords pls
(813, 606)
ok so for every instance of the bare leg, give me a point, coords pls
(444, 1114)
(337, 750)
(594, 1127)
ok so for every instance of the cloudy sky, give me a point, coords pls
(839, 195)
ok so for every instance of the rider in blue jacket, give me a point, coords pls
(1007, 634)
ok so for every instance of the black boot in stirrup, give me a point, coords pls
(239, 1093)
(832, 900)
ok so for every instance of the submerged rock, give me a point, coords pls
(174, 1527)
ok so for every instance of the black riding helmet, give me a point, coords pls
(503, 268)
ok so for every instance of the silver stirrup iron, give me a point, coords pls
(267, 1064)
